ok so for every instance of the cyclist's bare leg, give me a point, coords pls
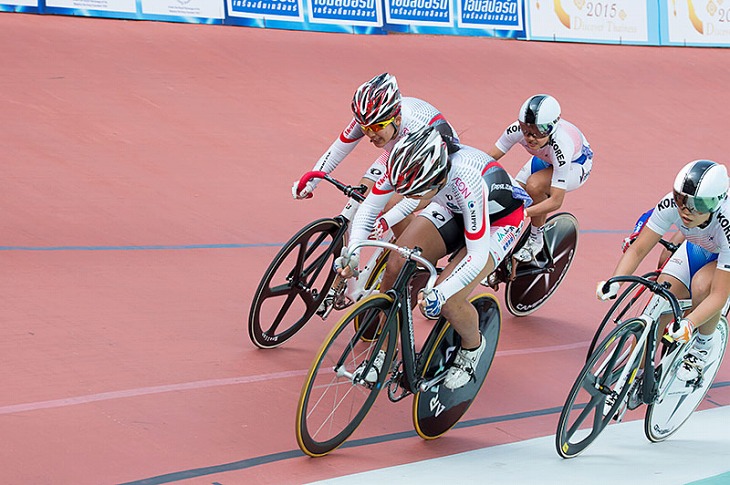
(701, 285)
(538, 186)
(422, 233)
(679, 290)
(458, 311)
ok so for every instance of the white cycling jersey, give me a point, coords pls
(566, 145)
(415, 114)
(714, 236)
(477, 187)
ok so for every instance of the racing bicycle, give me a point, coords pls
(630, 367)
(528, 286)
(296, 284)
(360, 357)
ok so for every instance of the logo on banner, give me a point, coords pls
(491, 14)
(592, 9)
(354, 12)
(716, 14)
(282, 9)
(418, 12)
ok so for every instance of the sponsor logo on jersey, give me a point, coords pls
(461, 187)
(500, 187)
(559, 156)
(510, 239)
(513, 129)
(438, 216)
(725, 225)
(453, 207)
(666, 203)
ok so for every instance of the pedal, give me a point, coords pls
(340, 302)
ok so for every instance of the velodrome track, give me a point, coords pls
(146, 176)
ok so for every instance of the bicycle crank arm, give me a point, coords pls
(426, 385)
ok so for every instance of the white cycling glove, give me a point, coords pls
(611, 292)
(344, 261)
(305, 193)
(434, 301)
(684, 332)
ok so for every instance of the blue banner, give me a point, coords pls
(353, 12)
(419, 12)
(279, 9)
(490, 14)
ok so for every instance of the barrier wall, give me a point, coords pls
(637, 22)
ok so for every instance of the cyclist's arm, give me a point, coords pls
(340, 148)
(495, 152)
(636, 253)
(362, 224)
(402, 209)
(477, 239)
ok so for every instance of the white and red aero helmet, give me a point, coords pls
(377, 100)
(419, 162)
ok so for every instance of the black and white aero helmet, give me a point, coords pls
(701, 186)
(542, 111)
(377, 100)
(418, 163)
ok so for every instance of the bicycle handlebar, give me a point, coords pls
(653, 286)
(350, 191)
(408, 253)
(670, 246)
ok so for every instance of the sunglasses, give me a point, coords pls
(696, 205)
(535, 131)
(376, 127)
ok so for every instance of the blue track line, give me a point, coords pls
(176, 247)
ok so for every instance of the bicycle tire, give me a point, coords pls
(630, 303)
(437, 410)
(677, 400)
(302, 286)
(527, 293)
(596, 381)
(332, 403)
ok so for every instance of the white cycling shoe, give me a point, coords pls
(465, 364)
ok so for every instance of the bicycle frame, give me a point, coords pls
(662, 302)
(357, 288)
(402, 310)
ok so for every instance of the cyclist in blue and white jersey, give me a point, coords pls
(700, 268)
(561, 161)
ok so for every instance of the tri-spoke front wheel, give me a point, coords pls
(599, 392)
(295, 283)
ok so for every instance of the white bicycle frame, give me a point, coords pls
(657, 306)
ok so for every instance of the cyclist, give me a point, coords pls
(700, 268)
(475, 211)
(384, 116)
(561, 162)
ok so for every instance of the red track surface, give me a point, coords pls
(124, 349)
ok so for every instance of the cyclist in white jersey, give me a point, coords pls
(474, 210)
(700, 268)
(561, 161)
(384, 116)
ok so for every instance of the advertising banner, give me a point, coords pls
(289, 10)
(19, 3)
(436, 13)
(350, 12)
(124, 6)
(184, 8)
(612, 21)
(490, 14)
(697, 22)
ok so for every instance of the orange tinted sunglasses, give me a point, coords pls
(376, 127)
